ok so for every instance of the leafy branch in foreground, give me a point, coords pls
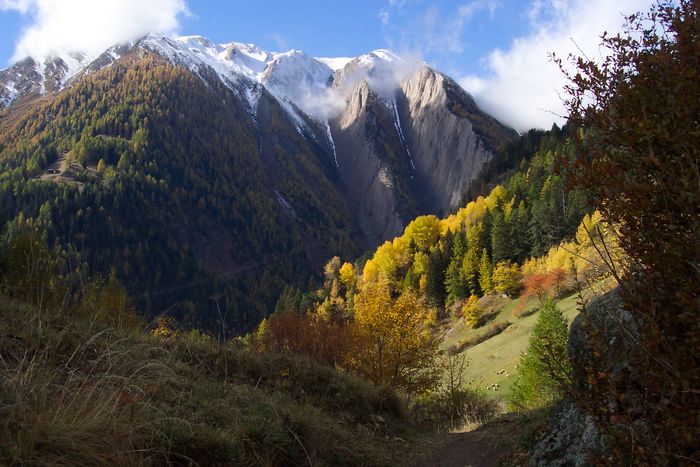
(639, 159)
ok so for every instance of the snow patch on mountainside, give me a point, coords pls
(74, 64)
(329, 135)
(286, 205)
(335, 64)
(252, 95)
(9, 96)
(40, 68)
(399, 130)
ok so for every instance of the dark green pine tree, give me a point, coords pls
(519, 233)
(548, 216)
(456, 285)
(470, 264)
(545, 370)
(435, 278)
(501, 247)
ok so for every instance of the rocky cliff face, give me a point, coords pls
(411, 149)
(448, 144)
(372, 162)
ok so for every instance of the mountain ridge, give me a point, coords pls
(327, 162)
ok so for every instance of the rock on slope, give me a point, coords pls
(601, 342)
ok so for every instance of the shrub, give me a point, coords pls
(450, 410)
(326, 342)
(455, 404)
(638, 159)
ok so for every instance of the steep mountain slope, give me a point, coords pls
(196, 170)
(443, 122)
(195, 199)
(409, 140)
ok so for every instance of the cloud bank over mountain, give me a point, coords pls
(60, 26)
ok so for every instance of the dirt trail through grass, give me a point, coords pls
(486, 446)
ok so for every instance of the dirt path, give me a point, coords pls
(486, 446)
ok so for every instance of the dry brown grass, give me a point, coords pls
(75, 392)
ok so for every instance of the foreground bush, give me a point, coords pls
(455, 404)
(451, 410)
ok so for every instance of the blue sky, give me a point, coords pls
(333, 28)
(497, 49)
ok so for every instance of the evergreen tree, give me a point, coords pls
(455, 283)
(470, 264)
(501, 247)
(545, 370)
(435, 278)
(519, 234)
(485, 273)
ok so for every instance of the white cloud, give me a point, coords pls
(435, 30)
(384, 17)
(90, 25)
(279, 40)
(523, 87)
(440, 34)
(466, 11)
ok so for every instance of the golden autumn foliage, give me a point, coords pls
(424, 231)
(347, 276)
(580, 258)
(472, 312)
(394, 346)
(507, 278)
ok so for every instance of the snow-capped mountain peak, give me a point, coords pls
(315, 85)
(335, 63)
(291, 71)
(39, 76)
(382, 69)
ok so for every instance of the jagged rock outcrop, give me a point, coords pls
(602, 342)
(371, 162)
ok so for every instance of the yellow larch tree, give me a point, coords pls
(394, 347)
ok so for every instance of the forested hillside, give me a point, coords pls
(164, 186)
(383, 316)
(475, 250)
